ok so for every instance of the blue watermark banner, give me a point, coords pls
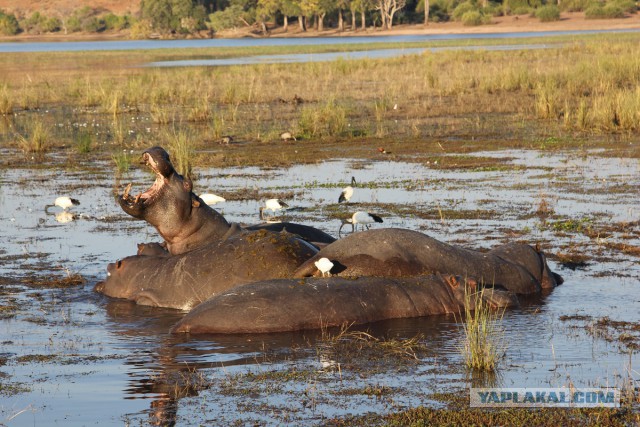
(544, 397)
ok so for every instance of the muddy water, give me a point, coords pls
(72, 357)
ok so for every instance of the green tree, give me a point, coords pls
(265, 10)
(324, 7)
(388, 9)
(173, 15)
(290, 8)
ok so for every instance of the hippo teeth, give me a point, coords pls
(125, 194)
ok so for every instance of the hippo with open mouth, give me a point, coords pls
(183, 220)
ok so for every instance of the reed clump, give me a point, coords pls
(37, 140)
(6, 102)
(84, 142)
(182, 151)
(328, 120)
(483, 339)
(122, 160)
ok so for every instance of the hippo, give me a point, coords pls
(185, 280)
(393, 252)
(281, 305)
(183, 220)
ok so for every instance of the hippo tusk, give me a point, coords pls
(125, 194)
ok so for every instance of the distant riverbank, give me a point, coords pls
(503, 24)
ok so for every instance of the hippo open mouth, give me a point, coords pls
(158, 160)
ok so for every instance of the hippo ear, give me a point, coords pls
(452, 281)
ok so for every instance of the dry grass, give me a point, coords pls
(589, 86)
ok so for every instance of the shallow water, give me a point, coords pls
(78, 358)
(332, 56)
(271, 41)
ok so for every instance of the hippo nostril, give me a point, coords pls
(118, 264)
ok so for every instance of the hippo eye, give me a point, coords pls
(118, 264)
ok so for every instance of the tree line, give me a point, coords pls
(183, 17)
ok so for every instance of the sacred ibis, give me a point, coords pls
(362, 218)
(346, 194)
(273, 205)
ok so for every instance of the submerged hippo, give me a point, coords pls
(183, 220)
(281, 305)
(184, 281)
(397, 252)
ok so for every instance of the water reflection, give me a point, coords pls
(332, 56)
(144, 372)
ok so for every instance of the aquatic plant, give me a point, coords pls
(329, 119)
(182, 152)
(84, 142)
(6, 103)
(483, 339)
(122, 161)
(37, 139)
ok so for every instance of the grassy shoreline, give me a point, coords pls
(578, 93)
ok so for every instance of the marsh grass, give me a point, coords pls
(483, 338)
(587, 86)
(6, 102)
(37, 140)
(328, 120)
(122, 161)
(84, 142)
(161, 114)
(181, 151)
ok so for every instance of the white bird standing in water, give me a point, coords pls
(362, 218)
(273, 205)
(211, 199)
(324, 265)
(346, 194)
(63, 202)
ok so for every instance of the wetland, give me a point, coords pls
(475, 148)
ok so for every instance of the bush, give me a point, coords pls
(463, 8)
(227, 18)
(627, 6)
(73, 24)
(141, 29)
(548, 13)
(576, 5)
(520, 7)
(9, 25)
(93, 25)
(115, 22)
(50, 25)
(472, 18)
(608, 11)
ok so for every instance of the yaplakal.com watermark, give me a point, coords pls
(545, 397)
